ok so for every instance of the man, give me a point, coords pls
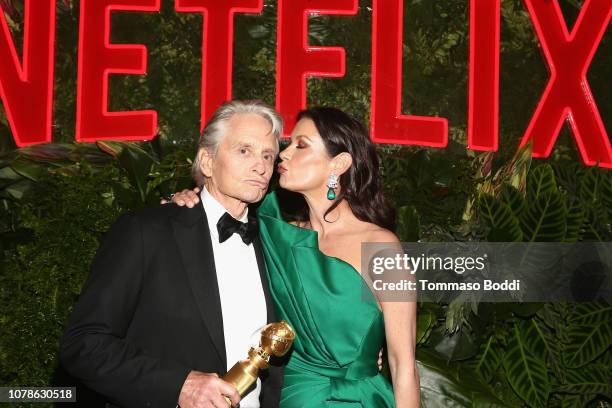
(176, 295)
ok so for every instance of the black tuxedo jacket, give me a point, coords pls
(150, 311)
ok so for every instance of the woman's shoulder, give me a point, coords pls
(301, 224)
(376, 233)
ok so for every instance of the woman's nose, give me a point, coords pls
(284, 155)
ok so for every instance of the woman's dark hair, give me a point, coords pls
(360, 185)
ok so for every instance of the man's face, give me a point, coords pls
(242, 167)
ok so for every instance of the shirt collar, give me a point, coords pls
(215, 210)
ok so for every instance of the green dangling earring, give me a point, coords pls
(332, 183)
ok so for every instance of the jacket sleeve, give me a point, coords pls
(94, 348)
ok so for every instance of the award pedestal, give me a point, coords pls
(276, 339)
(244, 373)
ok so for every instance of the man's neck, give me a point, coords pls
(233, 206)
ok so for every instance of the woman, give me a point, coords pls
(314, 271)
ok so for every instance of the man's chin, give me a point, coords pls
(253, 196)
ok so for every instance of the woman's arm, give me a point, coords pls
(400, 330)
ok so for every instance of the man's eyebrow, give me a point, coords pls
(242, 143)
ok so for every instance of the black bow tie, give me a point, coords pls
(228, 225)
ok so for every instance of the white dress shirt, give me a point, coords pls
(243, 304)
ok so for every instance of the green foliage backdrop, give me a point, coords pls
(58, 199)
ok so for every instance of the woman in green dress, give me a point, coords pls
(314, 272)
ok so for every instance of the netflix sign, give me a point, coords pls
(26, 82)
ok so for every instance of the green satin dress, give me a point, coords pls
(339, 333)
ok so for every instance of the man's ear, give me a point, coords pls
(342, 162)
(206, 160)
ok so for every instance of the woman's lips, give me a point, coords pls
(281, 169)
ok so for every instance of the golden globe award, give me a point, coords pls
(276, 339)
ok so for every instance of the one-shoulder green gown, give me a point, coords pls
(333, 362)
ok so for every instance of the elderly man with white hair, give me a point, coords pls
(176, 294)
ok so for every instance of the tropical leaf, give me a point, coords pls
(92, 155)
(516, 171)
(591, 228)
(587, 342)
(483, 164)
(458, 312)
(589, 331)
(445, 385)
(525, 309)
(592, 379)
(567, 176)
(555, 316)
(408, 224)
(137, 163)
(425, 322)
(574, 220)
(504, 225)
(525, 370)
(7, 174)
(460, 345)
(110, 147)
(540, 180)
(533, 338)
(51, 152)
(488, 360)
(573, 401)
(589, 185)
(545, 219)
(606, 194)
(513, 198)
(591, 313)
(16, 190)
(553, 347)
(27, 169)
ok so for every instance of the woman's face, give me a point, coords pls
(305, 164)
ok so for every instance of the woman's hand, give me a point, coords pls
(186, 197)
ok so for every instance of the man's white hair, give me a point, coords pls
(216, 128)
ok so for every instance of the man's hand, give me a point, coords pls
(186, 197)
(203, 390)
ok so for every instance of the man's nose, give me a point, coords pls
(259, 166)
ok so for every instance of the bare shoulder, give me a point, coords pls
(378, 234)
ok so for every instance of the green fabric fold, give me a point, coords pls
(339, 326)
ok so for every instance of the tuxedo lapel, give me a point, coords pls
(263, 273)
(193, 240)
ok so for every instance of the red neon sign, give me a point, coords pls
(26, 88)
(98, 58)
(483, 94)
(567, 94)
(296, 60)
(217, 47)
(388, 124)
